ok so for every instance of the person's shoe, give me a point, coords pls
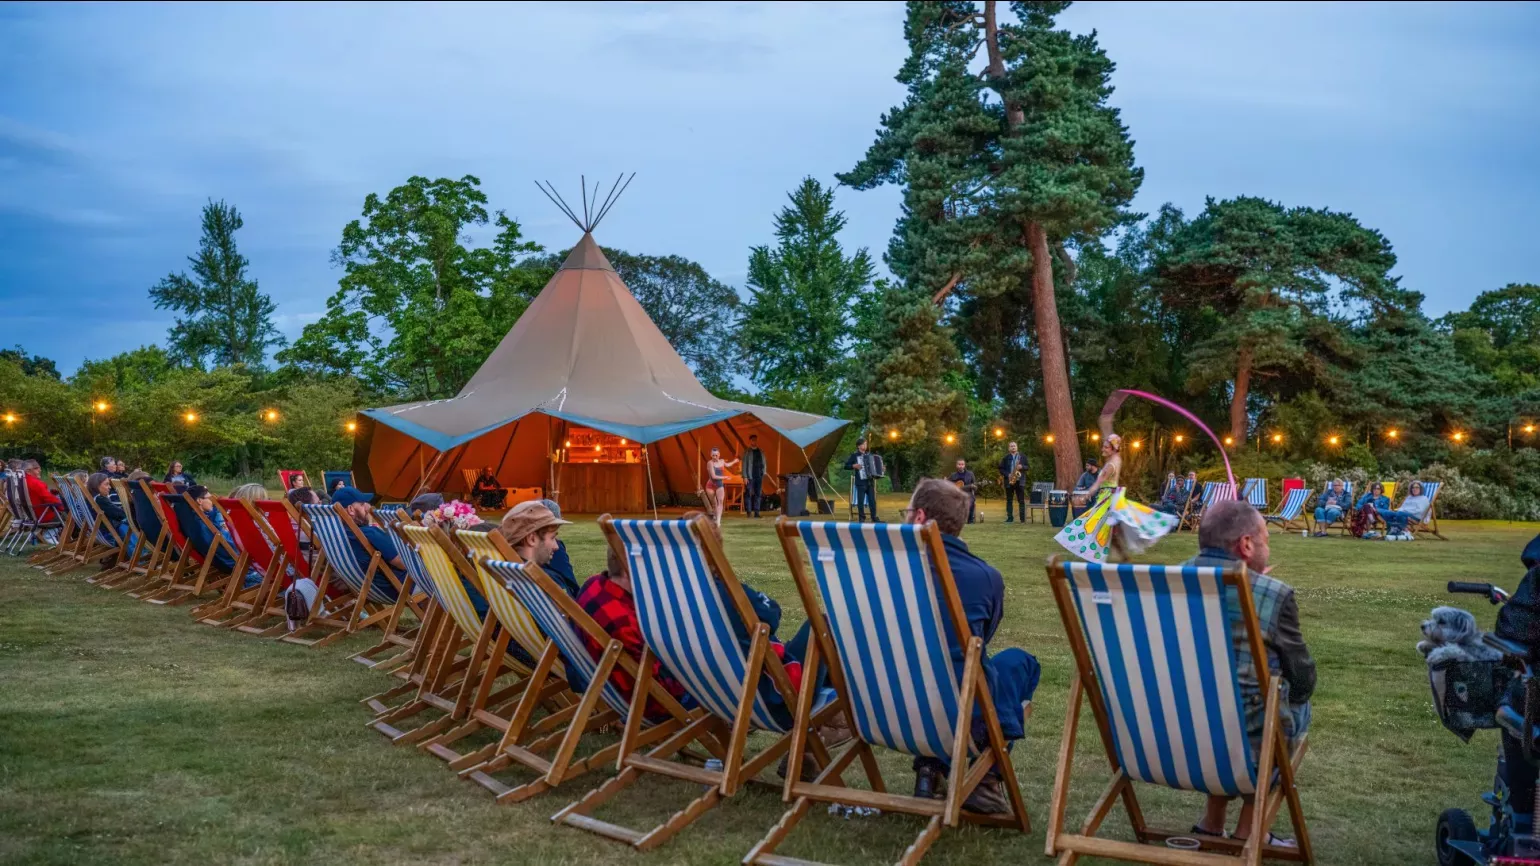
(1010, 519)
(988, 798)
(929, 784)
(834, 734)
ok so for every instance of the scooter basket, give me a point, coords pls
(1466, 694)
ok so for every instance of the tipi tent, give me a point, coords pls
(585, 399)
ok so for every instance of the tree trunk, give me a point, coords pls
(1050, 342)
(1238, 419)
(1014, 116)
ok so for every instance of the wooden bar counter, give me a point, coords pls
(594, 488)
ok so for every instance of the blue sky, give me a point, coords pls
(117, 121)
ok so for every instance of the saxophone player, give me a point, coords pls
(1013, 476)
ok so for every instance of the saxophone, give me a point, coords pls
(1015, 474)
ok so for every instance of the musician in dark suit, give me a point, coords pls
(753, 477)
(868, 468)
(964, 480)
(1012, 463)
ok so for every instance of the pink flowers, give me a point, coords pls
(455, 515)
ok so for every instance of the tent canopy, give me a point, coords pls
(584, 355)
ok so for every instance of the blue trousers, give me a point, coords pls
(1329, 514)
(1013, 675)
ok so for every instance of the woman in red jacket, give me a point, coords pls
(44, 502)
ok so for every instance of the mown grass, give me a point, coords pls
(130, 735)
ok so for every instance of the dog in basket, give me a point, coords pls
(1450, 635)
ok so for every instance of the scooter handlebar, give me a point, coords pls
(1494, 594)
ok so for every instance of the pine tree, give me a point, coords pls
(796, 327)
(228, 320)
(1001, 170)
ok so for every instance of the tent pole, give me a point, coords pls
(422, 477)
(653, 497)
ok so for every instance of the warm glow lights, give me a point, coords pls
(10, 418)
(567, 444)
(101, 406)
(191, 417)
(1048, 438)
(271, 415)
(623, 442)
(1229, 440)
(1138, 444)
(1180, 438)
(1096, 437)
(892, 434)
(950, 438)
(1277, 437)
(1458, 436)
(352, 426)
(1392, 433)
(999, 433)
(1529, 428)
(1333, 440)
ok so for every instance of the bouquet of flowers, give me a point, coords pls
(453, 515)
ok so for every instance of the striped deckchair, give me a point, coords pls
(1255, 492)
(883, 602)
(1213, 491)
(1345, 522)
(1428, 525)
(599, 703)
(418, 661)
(1156, 661)
(1289, 514)
(367, 604)
(679, 576)
(82, 540)
(513, 639)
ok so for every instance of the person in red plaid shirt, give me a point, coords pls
(607, 598)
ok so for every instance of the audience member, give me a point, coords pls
(1330, 505)
(120, 470)
(1178, 493)
(423, 503)
(1367, 509)
(1234, 532)
(175, 475)
(1012, 673)
(489, 493)
(1414, 507)
(608, 599)
(560, 566)
(45, 504)
(356, 503)
(203, 498)
(530, 528)
(253, 492)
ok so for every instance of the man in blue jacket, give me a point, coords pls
(1012, 673)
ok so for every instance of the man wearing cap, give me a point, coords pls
(560, 566)
(530, 529)
(356, 503)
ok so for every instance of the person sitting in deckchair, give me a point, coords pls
(560, 566)
(1234, 532)
(356, 503)
(204, 498)
(44, 501)
(531, 529)
(1177, 494)
(1330, 505)
(1012, 673)
(607, 597)
(1414, 507)
(175, 475)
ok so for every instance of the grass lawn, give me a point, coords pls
(130, 735)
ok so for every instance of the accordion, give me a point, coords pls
(872, 463)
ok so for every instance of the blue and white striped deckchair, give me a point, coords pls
(1428, 525)
(885, 613)
(1157, 662)
(332, 529)
(1255, 492)
(72, 532)
(92, 539)
(599, 702)
(1288, 514)
(687, 599)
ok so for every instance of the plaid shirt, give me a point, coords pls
(1287, 657)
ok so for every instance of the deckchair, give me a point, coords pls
(65, 545)
(1156, 659)
(94, 538)
(286, 478)
(17, 520)
(1428, 525)
(242, 604)
(1390, 489)
(1345, 521)
(365, 603)
(1213, 491)
(164, 550)
(219, 562)
(1255, 492)
(330, 479)
(276, 520)
(133, 567)
(566, 624)
(47, 523)
(883, 605)
(679, 575)
(1289, 513)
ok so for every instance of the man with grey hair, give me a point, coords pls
(1234, 533)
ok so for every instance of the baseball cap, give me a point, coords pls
(346, 496)
(528, 517)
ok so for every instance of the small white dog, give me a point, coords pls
(1451, 635)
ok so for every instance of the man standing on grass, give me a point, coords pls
(1234, 532)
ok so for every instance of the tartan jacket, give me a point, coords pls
(1287, 656)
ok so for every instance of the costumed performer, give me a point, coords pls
(1114, 522)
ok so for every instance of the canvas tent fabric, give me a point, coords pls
(585, 354)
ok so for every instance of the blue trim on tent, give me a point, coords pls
(802, 437)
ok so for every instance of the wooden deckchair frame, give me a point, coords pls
(162, 546)
(268, 617)
(131, 570)
(176, 590)
(240, 603)
(480, 705)
(1428, 525)
(973, 697)
(78, 541)
(37, 526)
(521, 745)
(64, 548)
(706, 730)
(361, 613)
(1150, 847)
(1299, 521)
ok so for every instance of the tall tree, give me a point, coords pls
(1267, 276)
(31, 365)
(227, 320)
(417, 310)
(795, 330)
(1500, 335)
(907, 379)
(1001, 169)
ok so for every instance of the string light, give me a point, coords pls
(622, 441)
(352, 426)
(999, 433)
(567, 444)
(1180, 438)
(1392, 433)
(1138, 444)
(892, 434)
(1048, 438)
(1277, 437)
(1333, 440)
(10, 417)
(1529, 428)
(192, 417)
(1096, 437)
(950, 438)
(1229, 440)
(598, 447)
(1457, 436)
(271, 415)
(101, 406)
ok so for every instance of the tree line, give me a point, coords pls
(1023, 290)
